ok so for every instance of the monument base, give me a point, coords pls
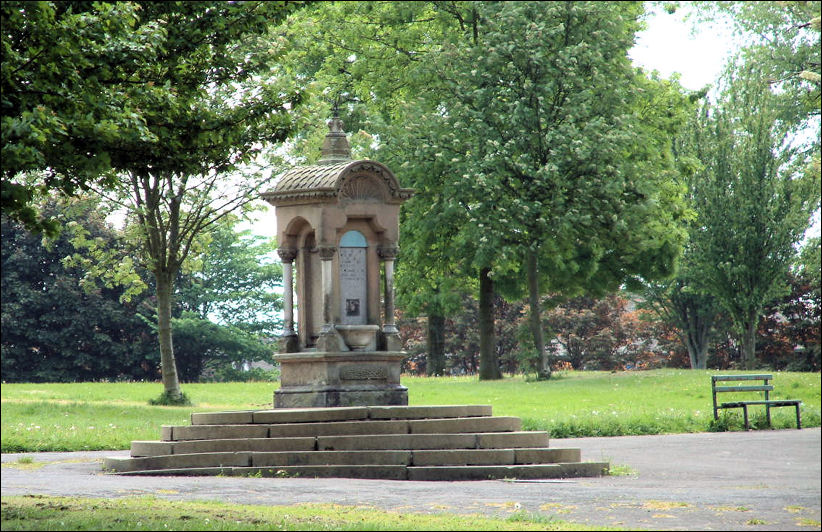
(334, 379)
(334, 397)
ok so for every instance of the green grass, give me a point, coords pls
(108, 416)
(64, 513)
(578, 404)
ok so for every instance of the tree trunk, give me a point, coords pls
(489, 366)
(435, 365)
(168, 366)
(535, 318)
(697, 341)
(698, 354)
(749, 342)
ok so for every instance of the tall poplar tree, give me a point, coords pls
(754, 196)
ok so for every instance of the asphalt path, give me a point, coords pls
(760, 480)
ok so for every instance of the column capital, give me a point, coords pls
(388, 252)
(327, 252)
(287, 254)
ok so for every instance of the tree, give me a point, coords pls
(596, 333)
(223, 111)
(549, 155)
(754, 196)
(73, 74)
(525, 140)
(789, 332)
(461, 339)
(55, 327)
(226, 304)
(381, 62)
(233, 280)
(204, 345)
(808, 264)
(693, 313)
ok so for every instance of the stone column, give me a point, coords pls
(326, 256)
(392, 339)
(329, 339)
(287, 256)
(289, 336)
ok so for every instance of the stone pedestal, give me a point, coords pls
(331, 379)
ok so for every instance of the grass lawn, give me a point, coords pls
(64, 513)
(108, 416)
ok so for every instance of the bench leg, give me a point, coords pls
(768, 414)
(745, 413)
(798, 421)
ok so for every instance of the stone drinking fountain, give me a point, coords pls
(338, 227)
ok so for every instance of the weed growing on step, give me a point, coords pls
(622, 470)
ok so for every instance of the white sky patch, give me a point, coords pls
(669, 46)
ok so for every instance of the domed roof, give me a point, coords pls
(334, 176)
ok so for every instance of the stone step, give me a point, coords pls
(501, 440)
(464, 424)
(351, 442)
(547, 456)
(396, 472)
(177, 461)
(259, 459)
(489, 472)
(282, 415)
(493, 456)
(318, 415)
(445, 442)
(381, 472)
(158, 448)
(341, 428)
(428, 412)
(370, 457)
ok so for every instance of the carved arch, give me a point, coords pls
(366, 180)
(296, 227)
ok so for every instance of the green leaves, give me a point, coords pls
(66, 86)
(52, 329)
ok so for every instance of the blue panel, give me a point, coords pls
(353, 239)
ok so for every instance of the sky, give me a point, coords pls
(668, 45)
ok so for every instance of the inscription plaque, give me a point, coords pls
(353, 286)
(363, 373)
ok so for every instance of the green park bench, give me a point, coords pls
(765, 387)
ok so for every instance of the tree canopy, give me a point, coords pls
(72, 81)
(55, 327)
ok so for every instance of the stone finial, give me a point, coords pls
(335, 148)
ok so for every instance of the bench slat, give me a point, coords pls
(759, 388)
(741, 377)
(777, 402)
